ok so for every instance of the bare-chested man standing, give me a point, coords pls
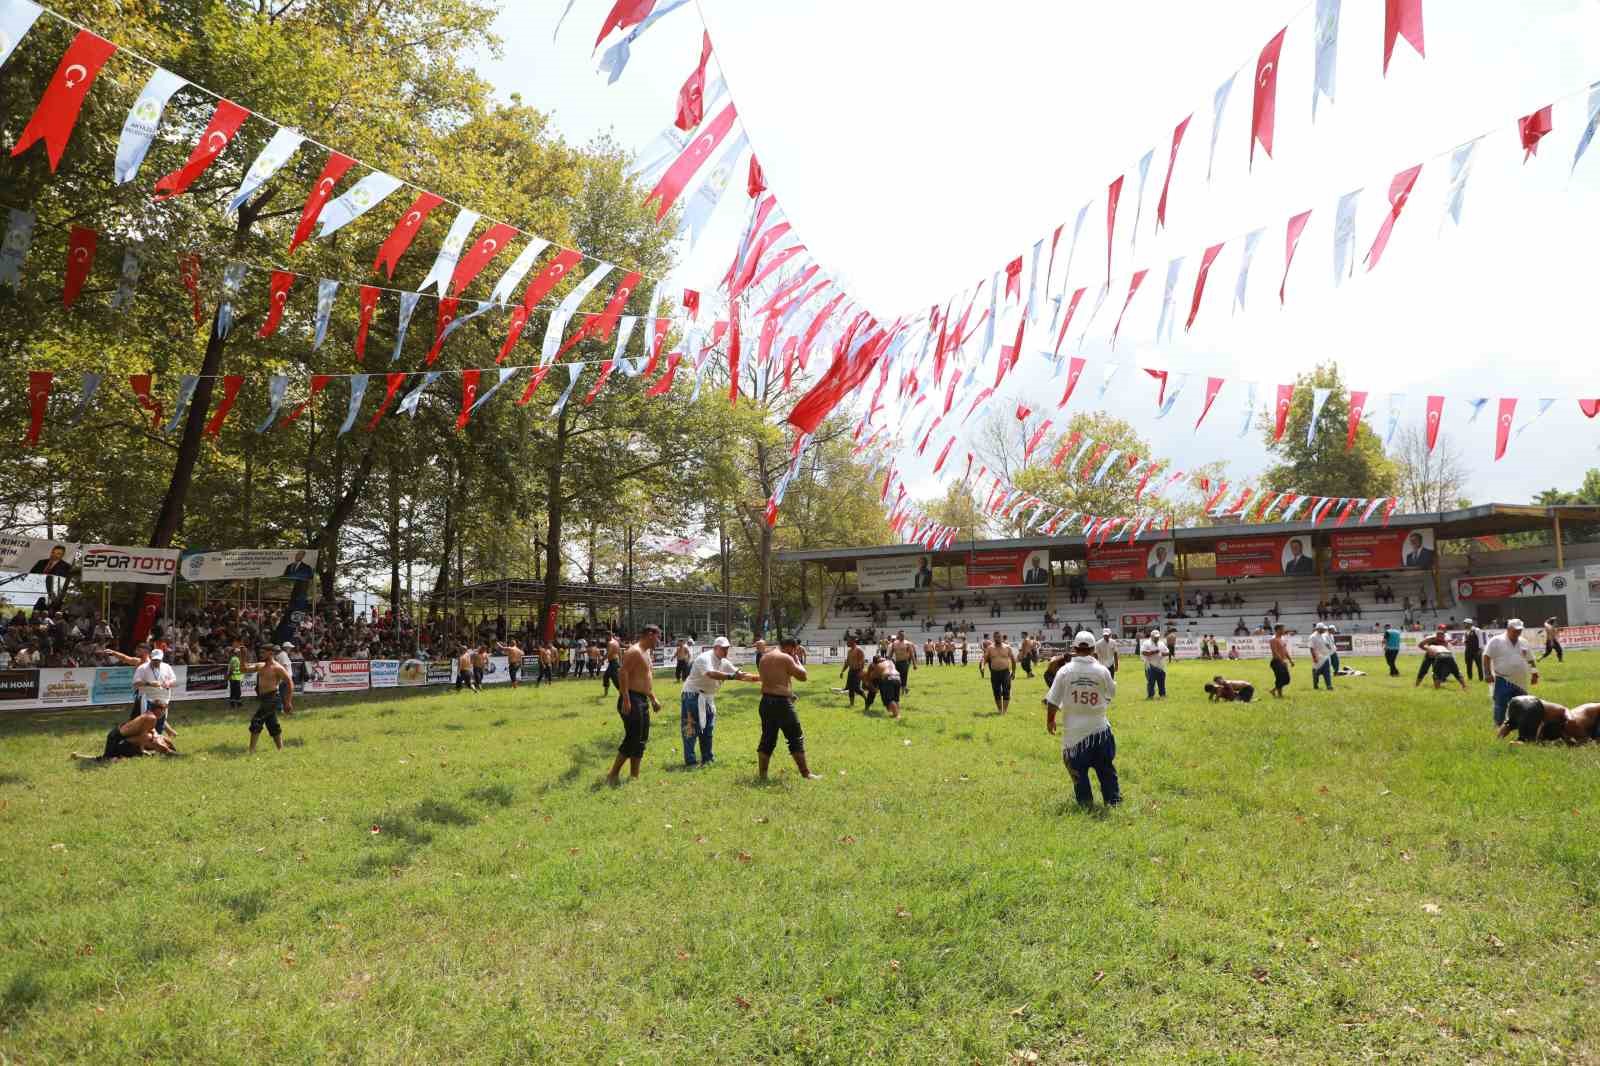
(636, 698)
(854, 660)
(1282, 659)
(779, 669)
(271, 679)
(1001, 660)
(904, 654)
(513, 654)
(613, 663)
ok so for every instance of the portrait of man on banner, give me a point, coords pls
(1296, 563)
(1037, 570)
(53, 565)
(1159, 564)
(924, 573)
(1419, 553)
(299, 569)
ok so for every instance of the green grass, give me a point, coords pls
(1360, 876)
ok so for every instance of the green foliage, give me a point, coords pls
(1323, 467)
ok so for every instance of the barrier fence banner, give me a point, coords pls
(65, 686)
(889, 575)
(142, 566)
(439, 672)
(29, 555)
(112, 684)
(1512, 586)
(385, 673)
(1123, 561)
(1007, 567)
(1265, 556)
(296, 564)
(337, 675)
(20, 687)
(1591, 578)
(1382, 549)
(205, 682)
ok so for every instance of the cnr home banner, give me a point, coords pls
(1382, 549)
(1012, 566)
(296, 564)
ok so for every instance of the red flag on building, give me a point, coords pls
(57, 111)
(277, 297)
(80, 260)
(225, 122)
(1264, 112)
(334, 169)
(230, 392)
(405, 231)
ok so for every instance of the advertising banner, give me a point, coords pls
(385, 673)
(498, 671)
(440, 672)
(65, 687)
(111, 684)
(1512, 586)
(144, 566)
(1015, 566)
(1382, 549)
(1141, 620)
(27, 555)
(889, 575)
(21, 687)
(297, 564)
(1265, 556)
(1132, 561)
(206, 682)
(1591, 578)
(336, 675)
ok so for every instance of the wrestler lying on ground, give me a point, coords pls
(1535, 719)
(1219, 689)
(137, 736)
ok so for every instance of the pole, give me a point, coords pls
(1561, 563)
(727, 594)
(628, 535)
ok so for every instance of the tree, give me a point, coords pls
(1429, 479)
(1588, 492)
(1321, 465)
(959, 509)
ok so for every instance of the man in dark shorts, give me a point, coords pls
(271, 682)
(1552, 640)
(1001, 661)
(636, 698)
(779, 670)
(904, 654)
(613, 665)
(513, 654)
(137, 736)
(884, 680)
(1282, 659)
(1534, 719)
(854, 660)
(1230, 691)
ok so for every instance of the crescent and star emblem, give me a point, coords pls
(71, 80)
(279, 296)
(702, 145)
(557, 270)
(1433, 416)
(325, 186)
(413, 218)
(489, 245)
(622, 295)
(1266, 72)
(216, 141)
(1505, 420)
(80, 255)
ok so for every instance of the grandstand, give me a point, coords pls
(1414, 571)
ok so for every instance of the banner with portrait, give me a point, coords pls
(892, 574)
(1266, 557)
(30, 555)
(1382, 549)
(1008, 567)
(142, 566)
(1132, 561)
(1512, 586)
(293, 564)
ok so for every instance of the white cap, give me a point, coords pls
(720, 642)
(1105, 632)
(286, 646)
(156, 655)
(1155, 632)
(1084, 637)
(1515, 623)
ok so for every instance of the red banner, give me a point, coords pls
(1387, 549)
(149, 611)
(1265, 556)
(1132, 561)
(550, 623)
(1001, 569)
(1511, 586)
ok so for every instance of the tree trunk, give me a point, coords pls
(343, 508)
(394, 542)
(553, 515)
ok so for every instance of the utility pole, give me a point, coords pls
(727, 595)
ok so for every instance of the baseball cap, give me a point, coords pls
(286, 646)
(1155, 632)
(1441, 627)
(156, 656)
(1105, 632)
(1084, 639)
(721, 642)
(1515, 623)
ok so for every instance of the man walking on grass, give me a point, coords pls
(1508, 665)
(779, 670)
(904, 654)
(854, 661)
(272, 680)
(613, 664)
(1321, 646)
(513, 654)
(1001, 662)
(636, 698)
(1083, 690)
(698, 703)
(1154, 654)
(1282, 659)
(1391, 648)
(1105, 649)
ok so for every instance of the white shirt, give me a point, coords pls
(1514, 662)
(155, 681)
(1154, 653)
(1321, 647)
(282, 659)
(1082, 692)
(1105, 650)
(698, 681)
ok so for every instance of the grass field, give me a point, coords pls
(443, 879)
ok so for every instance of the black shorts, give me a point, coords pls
(635, 726)
(613, 670)
(778, 716)
(1244, 693)
(1444, 668)
(852, 682)
(889, 690)
(513, 669)
(266, 716)
(1000, 683)
(119, 746)
(1280, 673)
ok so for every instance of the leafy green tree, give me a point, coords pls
(1322, 465)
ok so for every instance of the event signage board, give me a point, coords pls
(112, 684)
(297, 564)
(142, 566)
(385, 673)
(1512, 586)
(1007, 567)
(1591, 579)
(1265, 556)
(1382, 549)
(209, 680)
(337, 675)
(21, 686)
(1132, 561)
(65, 686)
(894, 574)
(29, 555)
(440, 672)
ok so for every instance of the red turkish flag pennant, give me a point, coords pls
(664, 382)
(1074, 372)
(1388, 510)
(691, 303)
(189, 274)
(790, 354)
(80, 260)
(1213, 386)
(547, 278)
(318, 383)
(1172, 161)
(1297, 226)
(225, 122)
(1399, 191)
(277, 297)
(1023, 411)
(691, 97)
(1216, 497)
(687, 164)
(369, 304)
(405, 231)
(1097, 453)
(753, 258)
(395, 380)
(140, 383)
(1161, 393)
(1268, 500)
(1033, 441)
(1435, 416)
(230, 393)
(1113, 194)
(38, 402)
(57, 111)
(1133, 287)
(1066, 319)
(1531, 129)
(769, 334)
(1349, 506)
(149, 611)
(624, 13)
(1502, 429)
(1285, 399)
(733, 353)
(756, 184)
(447, 315)
(662, 324)
(1401, 18)
(600, 382)
(483, 250)
(1014, 279)
(1358, 407)
(338, 163)
(1264, 112)
(1590, 408)
(603, 325)
(1010, 353)
(944, 453)
(469, 393)
(533, 384)
(1209, 257)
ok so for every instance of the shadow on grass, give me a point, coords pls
(246, 907)
(493, 795)
(585, 758)
(12, 779)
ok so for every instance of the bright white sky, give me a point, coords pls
(918, 147)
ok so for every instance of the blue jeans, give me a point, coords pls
(1323, 672)
(1099, 754)
(1155, 679)
(689, 705)
(1504, 692)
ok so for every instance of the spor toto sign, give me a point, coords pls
(145, 566)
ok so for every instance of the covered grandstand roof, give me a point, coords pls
(525, 592)
(1484, 520)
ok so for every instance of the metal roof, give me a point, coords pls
(523, 592)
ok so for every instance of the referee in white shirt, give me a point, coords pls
(1508, 665)
(1154, 654)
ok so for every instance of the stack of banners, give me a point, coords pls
(1132, 561)
(1008, 567)
(1514, 586)
(1387, 549)
(1266, 557)
(236, 564)
(29, 555)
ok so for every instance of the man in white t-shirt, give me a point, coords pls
(1154, 653)
(1105, 650)
(698, 704)
(1508, 666)
(1321, 647)
(153, 680)
(1084, 689)
(285, 690)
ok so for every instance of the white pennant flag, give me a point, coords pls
(624, 333)
(1172, 396)
(1168, 320)
(1344, 237)
(1072, 250)
(122, 299)
(506, 374)
(1544, 405)
(232, 281)
(615, 59)
(1138, 212)
(1477, 407)
(186, 387)
(1460, 171)
(277, 387)
(408, 304)
(651, 161)
(1249, 410)
(994, 311)
(1396, 400)
(505, 289)
(1319, 397)
(408, 402)
(1590, 126)
(1326, 45)
(1099, 302)
(144, 118)
(326, 288)
(461, 320)
(361, 197)
(1033, 285)
(14, 248)
(1251, 239)
(358, 391)
(1219, 101)
(1105, 382)
(702, 203)
(566, 309)
(278, 151)
(16, 18)
(450, 251)
(574, 372)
